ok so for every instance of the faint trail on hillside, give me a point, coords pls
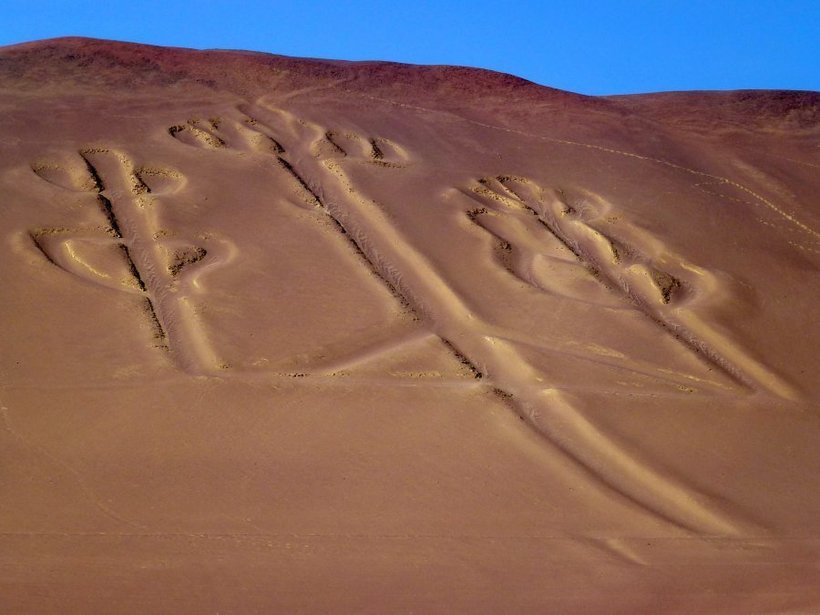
(723, 180)
(87, 491)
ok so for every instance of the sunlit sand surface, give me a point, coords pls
(288, 335)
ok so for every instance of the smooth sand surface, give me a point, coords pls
(286, 335)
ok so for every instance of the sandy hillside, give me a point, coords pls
(287, 335)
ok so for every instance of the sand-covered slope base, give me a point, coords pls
(296, 336)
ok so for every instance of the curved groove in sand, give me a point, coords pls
(101, 261)
(647, 286)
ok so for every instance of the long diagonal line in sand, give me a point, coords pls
(372, 351)
(550, 412)
(566, 432)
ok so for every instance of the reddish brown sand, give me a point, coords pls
(289, 336)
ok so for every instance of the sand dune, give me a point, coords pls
(287, 335)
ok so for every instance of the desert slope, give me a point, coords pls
(299, 335)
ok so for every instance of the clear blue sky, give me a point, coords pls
(604, 47)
